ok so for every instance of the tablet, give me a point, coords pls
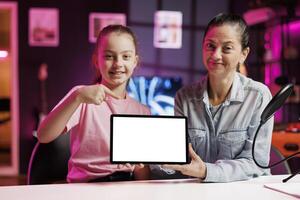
(148, 139)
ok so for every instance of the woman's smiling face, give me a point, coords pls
(222, 50)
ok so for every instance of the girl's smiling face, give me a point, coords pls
(117, 59)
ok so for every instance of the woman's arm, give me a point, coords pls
(242, 166)
(196, 168)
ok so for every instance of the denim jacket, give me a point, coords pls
(224, 141)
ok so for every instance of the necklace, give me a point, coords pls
(214, 109)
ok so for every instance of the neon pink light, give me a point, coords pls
(276, 43)
(259, 15)
(294, 27)
(13, 169)
(267, 37)
(3, 54)
(267, 46)
(267, 75)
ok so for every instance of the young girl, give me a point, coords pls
(85, 111)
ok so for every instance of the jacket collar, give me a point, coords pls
(236, 91)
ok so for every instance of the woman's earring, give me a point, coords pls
(238, 67)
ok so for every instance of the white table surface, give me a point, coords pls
(163, 190)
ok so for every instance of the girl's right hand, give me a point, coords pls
(128, 165)
(94, 94)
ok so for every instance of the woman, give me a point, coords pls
(224, 110)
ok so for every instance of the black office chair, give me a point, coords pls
(49, 162)
(276, 156)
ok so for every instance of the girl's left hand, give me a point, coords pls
(196, 168)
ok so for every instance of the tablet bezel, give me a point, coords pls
(143, 161)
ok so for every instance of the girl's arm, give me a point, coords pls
(55, 123)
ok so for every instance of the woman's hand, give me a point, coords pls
(94, 94)
(196, 168)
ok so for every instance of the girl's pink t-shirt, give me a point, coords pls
(89, 129)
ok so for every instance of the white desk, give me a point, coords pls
(162, 190)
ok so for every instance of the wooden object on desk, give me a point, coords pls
(12, 180)
(286, 142)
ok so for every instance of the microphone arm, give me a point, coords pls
(276, 163)
(276, 102)
(291, 176)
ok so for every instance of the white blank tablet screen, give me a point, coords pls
(148, 139)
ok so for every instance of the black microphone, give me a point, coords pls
(276, 102)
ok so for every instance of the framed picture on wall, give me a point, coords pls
(168, 29)
(97, 21)
(43, 27)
